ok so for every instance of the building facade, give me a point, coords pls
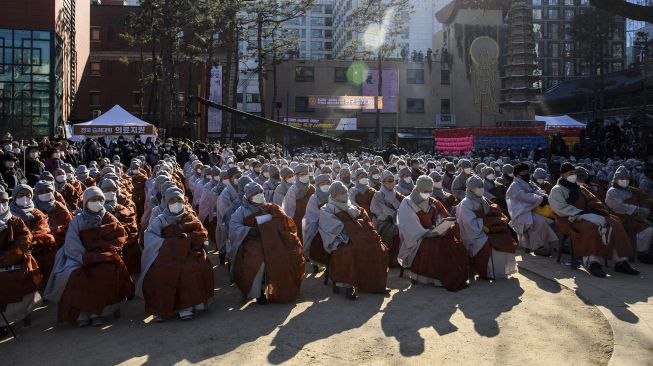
(552, 21)
(43, 52)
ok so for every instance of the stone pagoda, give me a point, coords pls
(519, 94)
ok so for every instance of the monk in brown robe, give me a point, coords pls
(131, 251)
(42, 246)
(295, 201)
(384, 206)
(433, 254)
(69, 193)
(138, 179)
(90, 280)
(83, 176)
(361, 193)
(359, 259)
(266, 253)
(58, 215)
(177, 274)
(20, 276)
(596, 235)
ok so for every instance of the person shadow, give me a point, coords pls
(325, 317)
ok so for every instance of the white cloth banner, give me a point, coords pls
(214, 114)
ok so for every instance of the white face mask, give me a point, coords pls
(479, 192)
(376, 176)
(325, 188)
(408, 180)
(135, 171)
(246, 167)
(304, 179)
(225, 181)
(258, 198)
(540, 180)
(17, 150)
(4, 207)
(266, 175)
(437, 185)
(95, 206)
(257, 169)
(9, 164)
(8, 147)
(363, 181)
(61, 178)
(217, 179)
(176, 208)
(33, 155)
(467, 171)
(56, 155)
(110, 196)
(512, 175)
(572, 178)
(23, 201)
(70, 176)
(623, 183)
(291, 180)
(490, 177)
(46, 197)
(425, 195)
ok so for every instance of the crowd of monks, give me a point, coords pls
(88, 238)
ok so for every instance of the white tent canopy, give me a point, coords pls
(559, 121)
(113, 123)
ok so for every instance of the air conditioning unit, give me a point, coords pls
(96, 113)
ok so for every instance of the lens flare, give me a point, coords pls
(357, 73)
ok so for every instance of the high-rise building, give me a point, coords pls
(632, 28)
(555, 46)
(315, 31)
(417, 34)
(44, 46)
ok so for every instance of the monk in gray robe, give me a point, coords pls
(296, 199)
(313, 247)
(287, 180)
(384, 206)
(458, 187)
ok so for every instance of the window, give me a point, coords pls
(95, 68)
(445, 106)
(316, 46)
(444, 77)
(328, 9)
(415, 76)
(316, 33)
(537, 14)
(138, 98)
(95, 33)
(553, 30)
(328, 22)
(304, 73)
(301, 105)
(317, 9)
(340, 74)
(617, 50)
(554, 50)
(617, 66)
(553, 13)
(328, 46)
(328, 33)
(414, 105)
(554, 68)
(317, 21)
(94, 98)
(239, 97)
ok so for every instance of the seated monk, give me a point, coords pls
(384, 206)
(359, 259)
(71, 178)
(208, 200)
(42, 246)
(138, 179)
(177, 274)
(83, 176)
(89, 280)
(58, 215)
(447, 199)
(20, 277)
(69, 193)
(595, 234)
(484, 232)
(266, 253)
(635, 210)
(539, 177)
(48, 177)
(131, 250)
(312, 245)
(295, 201)
(431, 257)
(361, 193)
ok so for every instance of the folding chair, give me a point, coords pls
(11, 329)
(573, 263)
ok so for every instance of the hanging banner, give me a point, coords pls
(389, 89)
(214, 115)
(342, 102)
(337, 124)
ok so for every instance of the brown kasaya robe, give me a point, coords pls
(633, 223)
(449, 201)
(58, 220)
(300, 210)
(365, 200)
(499, 238)
(279, 247)
(442, 258)
(131, 250)
(14, 285)
(71, 197)
(363, 261)
(181, 275)
(89, 182)
(104, 279)
(585, 236)
(138, 193)
(43, 245)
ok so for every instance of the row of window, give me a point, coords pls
(561, 2)
(413, 105)
(557, 30)
(413, 76)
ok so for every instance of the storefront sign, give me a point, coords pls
(338, 124)
(343, 102)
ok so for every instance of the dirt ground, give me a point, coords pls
(526, 320)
